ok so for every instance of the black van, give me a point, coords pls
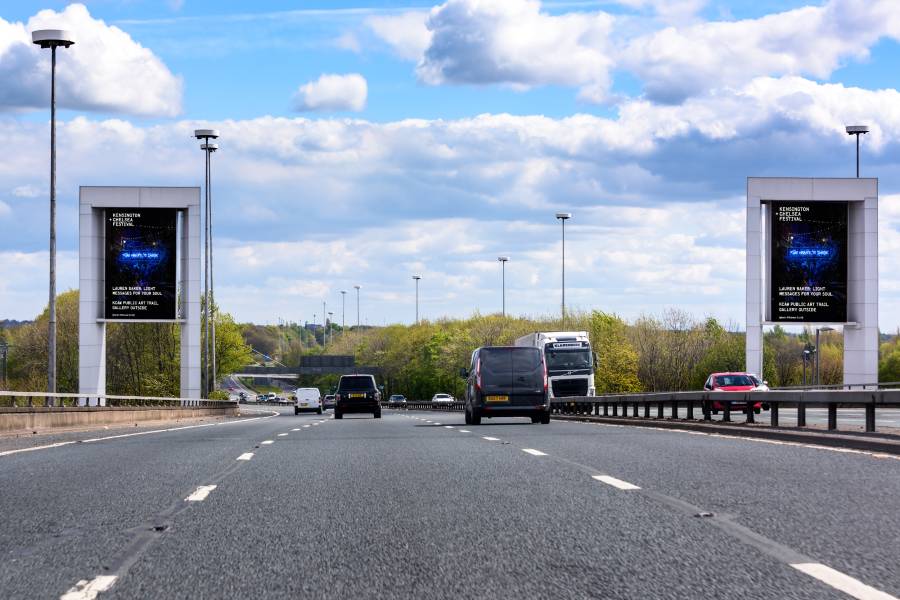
(506, 381)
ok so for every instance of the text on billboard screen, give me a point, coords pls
(809, 262)
(141, 257)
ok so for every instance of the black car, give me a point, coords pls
(506, 381)
(357, 394)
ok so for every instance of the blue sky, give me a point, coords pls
(366, 141)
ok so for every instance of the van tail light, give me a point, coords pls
(478, 375)
(546, 382)
(337, 397)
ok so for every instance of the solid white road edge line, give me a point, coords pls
(124, 435)
(844, 583)
(616, 483)
(245, 456)
(534, 452)
(200, 493)
(88, 590)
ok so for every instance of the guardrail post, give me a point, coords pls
(870, 417)
(605, 409)
(773, 414)
(748, 408)
(597, 408)
(615, 409)
(832, 416)
(801, 415)
(726, 413)
(706, 411)
(674, 409)
(690, 410)
(646, 410)
(659, 410)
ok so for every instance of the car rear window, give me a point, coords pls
(509, 360)
(356, 383)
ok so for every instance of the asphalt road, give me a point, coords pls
(406, 508)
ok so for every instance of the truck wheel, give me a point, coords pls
(476, 417)
(296, 411)
(320, 410)
(545, 418)
(377, 414)
(338, 414)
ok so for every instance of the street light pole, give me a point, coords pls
(330, 315)
(503, 260)
(417, 278)
(357, 305)
(818, 329)
(52, 38)
(4, 353)
(324, 325)
(563, 217)
(857, 130)
(343, 311)
(209, 319)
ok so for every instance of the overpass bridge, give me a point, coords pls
(324, 364)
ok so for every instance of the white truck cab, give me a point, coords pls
(569, 359)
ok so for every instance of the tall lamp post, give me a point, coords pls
(417, 278)
(357, 305)
(503, 260)
(563, 217)
(330, 315)
(818, 329)
(53, 39)
(343, 311)
(324, 325)
(4, 354)
(209, 319)
(857, 130)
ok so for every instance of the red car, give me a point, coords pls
(731, 382)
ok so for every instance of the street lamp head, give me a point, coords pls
(357, 286)
(50, 38)
(563, 216)
(343, 291)
(209, 147)
(503, 258)
(857, 129)
(206, 134)
(417, 277)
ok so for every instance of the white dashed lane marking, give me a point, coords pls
(534, 452)
(616, 483)
(491, 439)
(200, 493)
(464, 431)
(88, 590)
(844, 583)
(282, 434)
(448, 426)
(267, 442)
(245, 456)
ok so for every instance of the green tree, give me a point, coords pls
(617, 360)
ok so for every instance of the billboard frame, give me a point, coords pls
(93, 203)
(861, 328)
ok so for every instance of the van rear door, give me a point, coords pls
(496, 374)
(528, 376)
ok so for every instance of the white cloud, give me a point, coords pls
(5, 210)
(407, 34)
(485, 42)
(106, 70)
(348, 41)
(26, 191)
(676, 63)
(333, 93)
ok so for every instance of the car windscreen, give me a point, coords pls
(733, 380)
(357, 383)
(577, 358)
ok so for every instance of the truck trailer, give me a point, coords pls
(569, 358)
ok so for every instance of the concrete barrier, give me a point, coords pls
(13, 420)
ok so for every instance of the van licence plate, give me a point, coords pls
(305, 404)
(497, 399)
(357, 395)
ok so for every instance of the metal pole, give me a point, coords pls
(206, 386)
(212, 293)
(4, 350)
(417, 301)
(563, 273)
(51, 334)
(503, 278)
(324, 326)
(343, 312)
(804, 369)
(857, 156)
(357, 307)
(817, 350)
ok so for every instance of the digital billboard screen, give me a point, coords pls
(809, 262)
(141, 256)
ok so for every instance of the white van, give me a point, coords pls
(307, 399)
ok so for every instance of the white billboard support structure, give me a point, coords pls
(93, 202)
(861, 328)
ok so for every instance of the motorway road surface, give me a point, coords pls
(418, 505)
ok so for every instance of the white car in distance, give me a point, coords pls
(442, 400)
(308, 400)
